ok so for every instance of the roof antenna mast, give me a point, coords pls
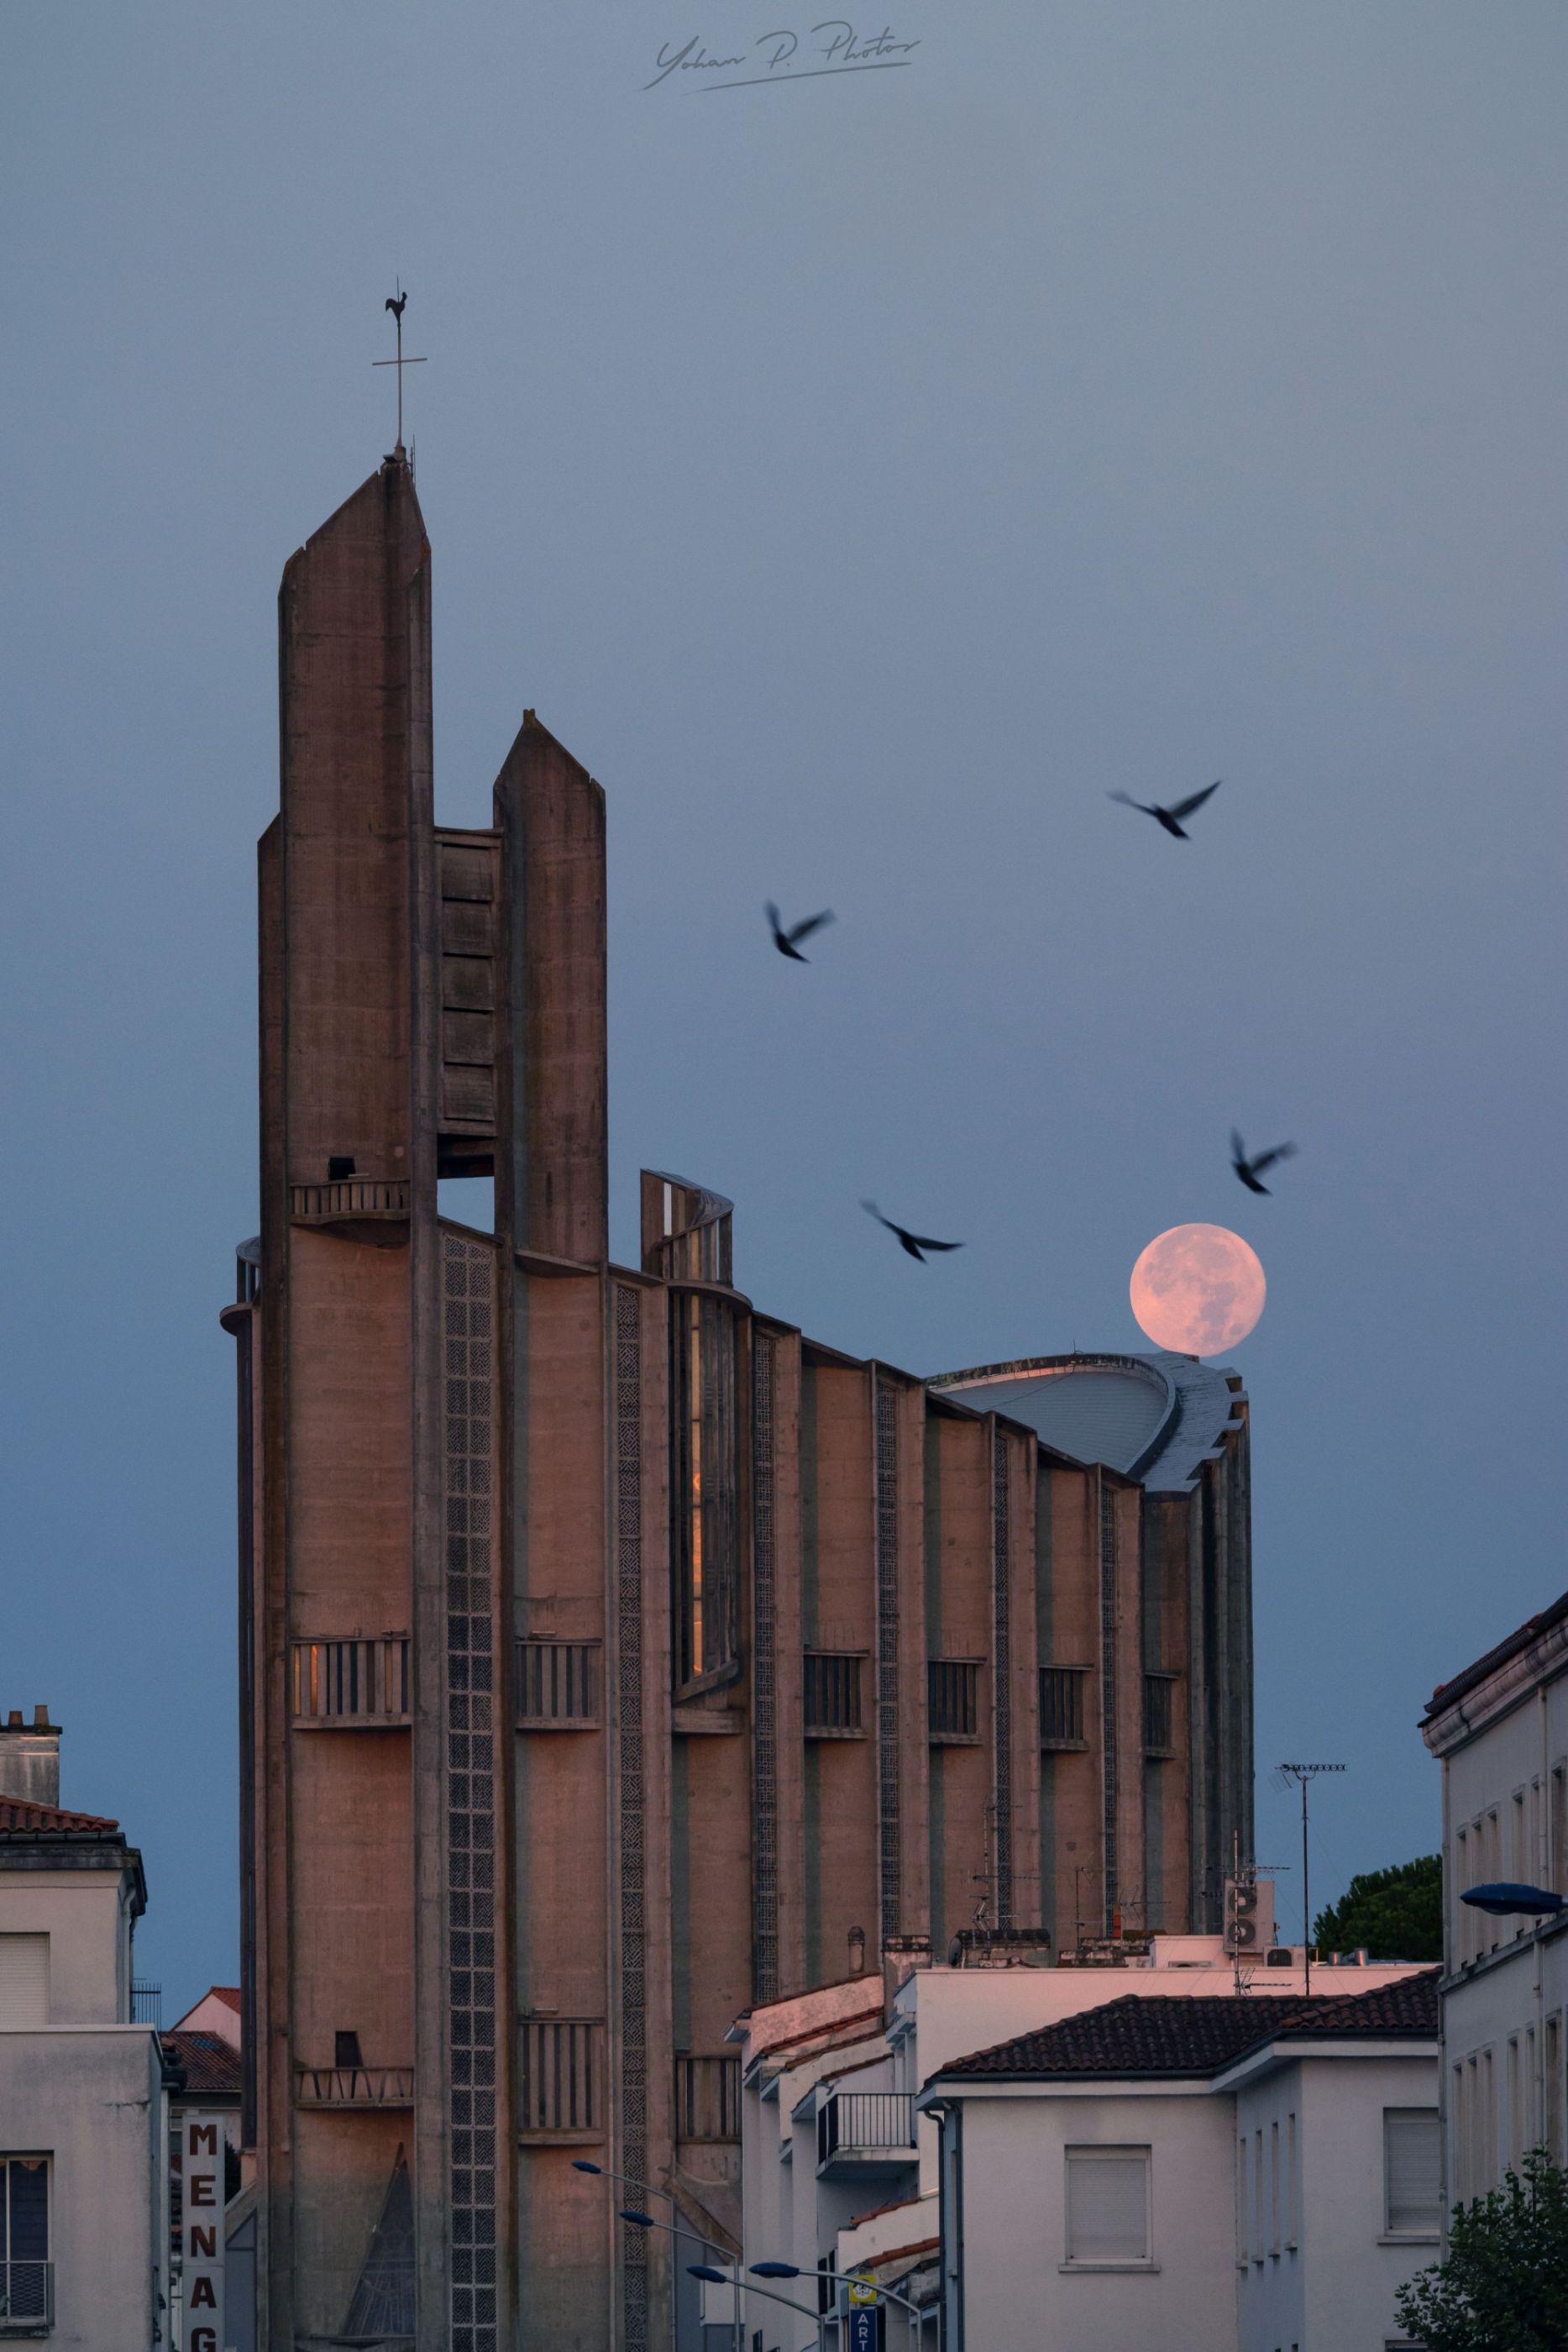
(396, 305)
(1304, 1775)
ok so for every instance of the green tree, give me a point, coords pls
(1397, 1914)
(1503, 2286)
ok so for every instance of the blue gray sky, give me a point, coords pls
(863, 476)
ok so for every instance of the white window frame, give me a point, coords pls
(1096, 2152)
(1423, 2237)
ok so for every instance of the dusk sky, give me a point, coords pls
(863, 483)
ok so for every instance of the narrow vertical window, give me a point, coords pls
(1412, 2195)
(1243, 2226)
(1274, 2188)
(27, 2273)
(1551, 2087)
(1258, 2242)
(704, 1487)
(1293, 2193)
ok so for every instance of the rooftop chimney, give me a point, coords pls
(30, 1758)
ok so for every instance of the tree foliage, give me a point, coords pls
(1397, 1914)
(1502, 2286)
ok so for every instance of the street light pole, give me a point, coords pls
(843, 2278)
(630, 2180)
(706, 2271)
(700, 2270)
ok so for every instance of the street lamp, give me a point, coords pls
(646, 2221)
(722, 2278)
(843, 2278)
(698, 2270)
(1507, 1895)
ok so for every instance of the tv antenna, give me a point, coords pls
(1304, 1775)
(396, 305)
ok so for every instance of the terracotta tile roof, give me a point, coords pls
(18, 1816)
(814, 2040)
(210, 2066)
(1172, 2035)
(228, 1994)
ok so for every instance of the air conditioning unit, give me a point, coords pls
(1280, 1956)
(1249, 1917)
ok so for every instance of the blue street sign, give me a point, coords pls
(862, 2332)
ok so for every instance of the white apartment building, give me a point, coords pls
(1500, 1730)
(1212, 2175)
(84, 2092)
(840, 2165)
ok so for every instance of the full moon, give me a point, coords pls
(1197, 1290)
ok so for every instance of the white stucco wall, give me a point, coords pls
(1336, 2284)
(91, 2099)
(1505, 1997)
(82, 1914)
(1018, 2295)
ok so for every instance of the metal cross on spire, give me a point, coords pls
(395, 304)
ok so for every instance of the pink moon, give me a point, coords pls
(1197, 1290)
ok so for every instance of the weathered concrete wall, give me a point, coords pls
(91, 2100)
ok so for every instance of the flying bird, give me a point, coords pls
(1250, 1170)
(915, 1243)
(784, 940)
(1170, 817)
(397, 308)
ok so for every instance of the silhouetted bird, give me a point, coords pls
(396, 308)
(1250, 1170)
(915, 1243)
(784, 940)
(1167, 816)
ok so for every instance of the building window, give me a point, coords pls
(1061, 1706)
(1108, 2205)
(24, 1981)
(27, 2273)
(953, 1700)
(557, 1685)
(703, 1487)
(833, 1695)
(561, 2077)
(357, 1681)
(1552, 2087)
(708, 2097)
(1159, 1715)
(1412, 2192)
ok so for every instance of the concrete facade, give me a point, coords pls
(1500, 1732)
(613, 1655)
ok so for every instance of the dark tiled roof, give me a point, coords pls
(1178, 2034)
(210, 2066)
(1447, 1692)
(18, 1816)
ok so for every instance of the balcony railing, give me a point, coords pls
(353, 2087)
(865, 2128)
(27, 2298)
(354, 1196)
(146, 2003)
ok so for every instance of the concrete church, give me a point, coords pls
(613, 1656)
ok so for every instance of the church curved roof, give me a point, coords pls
(1153, 1418)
